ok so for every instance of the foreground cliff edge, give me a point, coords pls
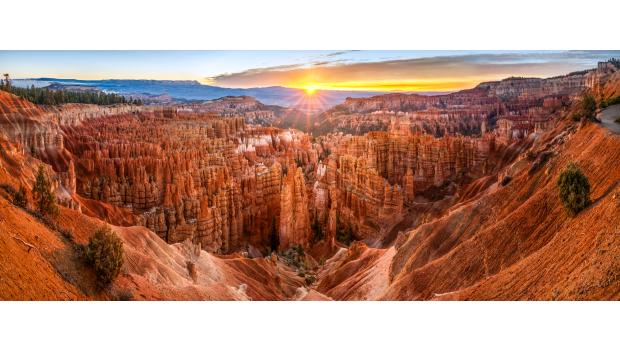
(496, 231)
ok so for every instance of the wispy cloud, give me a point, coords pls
(338, 53)
(449, 72)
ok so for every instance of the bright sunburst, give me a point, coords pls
(310, 89)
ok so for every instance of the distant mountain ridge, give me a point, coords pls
(187, 90)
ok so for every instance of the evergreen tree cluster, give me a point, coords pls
(45, 96)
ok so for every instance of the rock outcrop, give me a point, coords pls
(213, 180)
(294, 215)
(368, 180)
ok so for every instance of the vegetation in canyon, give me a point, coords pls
(104, 253)
(574, 189)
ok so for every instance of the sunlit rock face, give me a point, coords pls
(215, 181)
(252, 110)
(468, 112)
(294, 215)
(368, 180)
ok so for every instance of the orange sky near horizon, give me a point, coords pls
(437, 74)
(380, 71)
(387, 86)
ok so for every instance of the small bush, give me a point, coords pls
(19, 199)
(105, 253)
(300, 250)
(574, 189)
(67, 234)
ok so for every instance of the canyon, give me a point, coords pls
(395, 197)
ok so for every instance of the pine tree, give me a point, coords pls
(44, 198)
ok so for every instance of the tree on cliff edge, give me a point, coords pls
(42, 192)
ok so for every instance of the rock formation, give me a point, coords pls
(294, 215)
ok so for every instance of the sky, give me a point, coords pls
(310, 70)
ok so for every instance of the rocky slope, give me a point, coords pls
(510, 242)
(39, 262)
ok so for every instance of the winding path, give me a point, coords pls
(608, 118)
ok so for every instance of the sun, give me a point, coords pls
(310, 89)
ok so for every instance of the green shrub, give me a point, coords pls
(300, 250)
(586, 108)
(42, 191)
(105, 253)
(19, 199)
(574, 189)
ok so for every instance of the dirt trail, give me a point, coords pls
(608, 118)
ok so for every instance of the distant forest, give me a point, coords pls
(44, 96)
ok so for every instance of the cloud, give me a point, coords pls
(338, 53)
(453, 72)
